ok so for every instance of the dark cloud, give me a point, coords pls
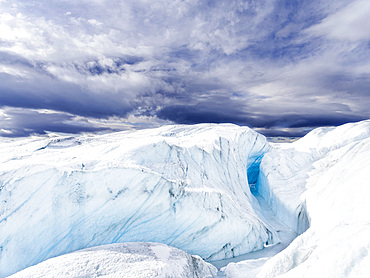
(21, 123)
(228, 114)
(202, 114)
(48, 93)
(283, 67)
(322, 120)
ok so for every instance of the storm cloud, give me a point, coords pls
(281, 67)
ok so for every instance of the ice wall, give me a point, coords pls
(281, 182)
(185, 186)
(288, 169)
(329, 172)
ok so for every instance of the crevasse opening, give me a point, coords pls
(294, 217)
(253, 170)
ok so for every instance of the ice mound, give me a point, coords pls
(129, 260)
(185, 186)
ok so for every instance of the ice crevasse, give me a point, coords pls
(185, 186)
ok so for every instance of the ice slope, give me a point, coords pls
(321, 182)
(246, 266)
(185, 186)
(288, 170)
(129, 260)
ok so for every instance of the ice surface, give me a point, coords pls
(188, 187)
(320, 182)
(288, 170)
(129, 260)
(185, 186)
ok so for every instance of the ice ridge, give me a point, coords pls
(185, 186)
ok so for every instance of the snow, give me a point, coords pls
(130, 260)
(162, 252)
(289, 169)
(218, 191)
(185, 186)
(342, 252)
(319, 183)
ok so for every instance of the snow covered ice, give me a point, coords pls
(189, 187)
(320, 182)
(129, 260)
(185, 186)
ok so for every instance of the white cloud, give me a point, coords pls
(349, 23)
(94, 22)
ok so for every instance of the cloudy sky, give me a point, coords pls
(280, 67)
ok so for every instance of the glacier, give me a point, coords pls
(252, 208)
(184, 186)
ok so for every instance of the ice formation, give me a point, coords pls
(189, 187)
(321, 182)
(129, 260)
(185, 186)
